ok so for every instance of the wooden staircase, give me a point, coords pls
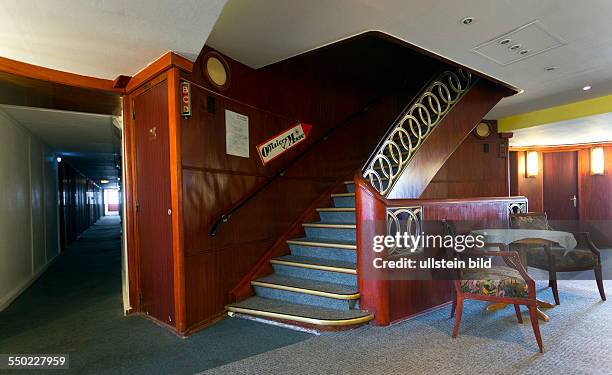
(317, 283)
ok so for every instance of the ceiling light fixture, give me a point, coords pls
(59, 159)
(586, 88)
(104, 181)
(467, 20)
(515, 47)
(505, 41)
(551, 68)
(524, 52)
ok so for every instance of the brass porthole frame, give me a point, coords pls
(221, 59)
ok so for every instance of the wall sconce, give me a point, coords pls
(531, 161)
(597, 161)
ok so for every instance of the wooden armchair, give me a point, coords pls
(585, 256)
(508, 283)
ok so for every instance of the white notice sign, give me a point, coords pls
(236, 134)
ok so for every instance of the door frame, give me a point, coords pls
(171, 73)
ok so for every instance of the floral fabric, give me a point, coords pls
(529, 222)
(498, 281)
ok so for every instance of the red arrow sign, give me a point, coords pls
(283, 142)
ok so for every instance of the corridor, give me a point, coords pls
(75, 309)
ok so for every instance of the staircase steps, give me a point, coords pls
(293, 312)
(317, 283)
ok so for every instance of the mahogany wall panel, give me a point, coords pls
(530, 187)
(445, 139)
(595, 191)
(473, 172)
(321, 88)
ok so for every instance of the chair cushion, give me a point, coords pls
(498, 281)
(576, 258)
(529, 222)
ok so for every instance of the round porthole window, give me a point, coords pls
(216, 71)
(482, 130)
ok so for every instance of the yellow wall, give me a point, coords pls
(602, 104)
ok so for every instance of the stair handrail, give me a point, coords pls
(412, 127)
(224, 218)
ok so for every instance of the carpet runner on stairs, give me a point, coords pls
(317, 283)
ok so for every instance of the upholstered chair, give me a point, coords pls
(506, 281)
(585, 256)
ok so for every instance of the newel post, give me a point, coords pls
(370, 211)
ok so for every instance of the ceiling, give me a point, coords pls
(258, 33)
(103, 38)
(89, 142)
(588, 129)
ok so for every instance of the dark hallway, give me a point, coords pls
(75, 308)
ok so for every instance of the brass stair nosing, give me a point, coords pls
(320, 267)
(306, 291)
(338, 195)
(336, 209)
(323, 244)
(301, 319)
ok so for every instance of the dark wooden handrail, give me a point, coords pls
(228, 214)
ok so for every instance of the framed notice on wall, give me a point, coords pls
(236, 134)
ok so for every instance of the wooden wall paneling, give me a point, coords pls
(392, 294)
(176, 189)
(30, 92)
(313, 89)
(530, 187)
(596, 191)
(472, 172)
(373, 286)
(19, 68)
(445, 139)
(595, 198)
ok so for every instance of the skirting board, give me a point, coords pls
(16, 292)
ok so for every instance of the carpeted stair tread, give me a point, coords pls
(287, 310)
(306, 241)
(331, 224)
(310, 285)
(317, 262)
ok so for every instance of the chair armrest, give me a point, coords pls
(511, 258)
(587, 239)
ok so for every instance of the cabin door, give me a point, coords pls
(561, 186)
(153, 217)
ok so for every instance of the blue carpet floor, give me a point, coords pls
(76, 308)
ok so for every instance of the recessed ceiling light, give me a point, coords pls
(524, 52)
(515, 47)
(551, 68)
(467, 20)
(505, 41)
(586, 88)
(104, 181)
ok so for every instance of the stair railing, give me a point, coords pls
(413, 126)
(225, 217)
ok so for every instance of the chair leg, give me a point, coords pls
(533, 316)
(454, 305)
(517, 309)
(555, 290)
(599, 279)
(458, 317)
